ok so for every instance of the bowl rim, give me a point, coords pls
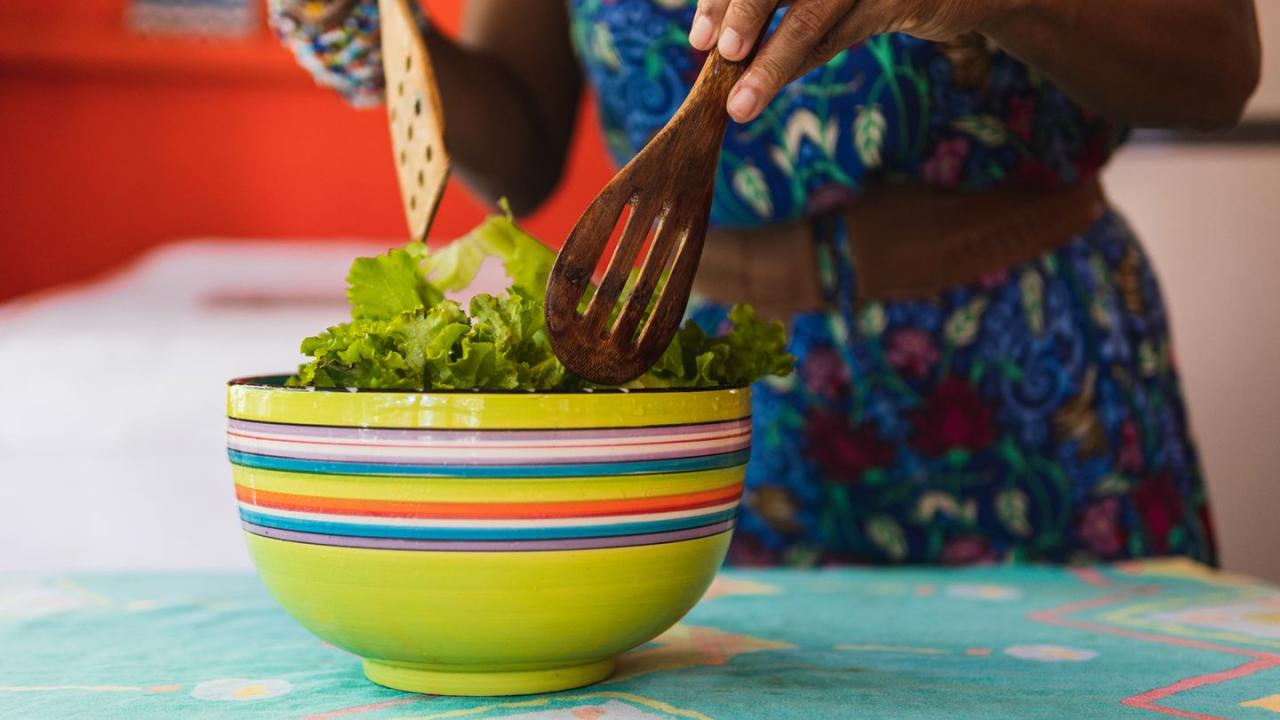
(276, 382)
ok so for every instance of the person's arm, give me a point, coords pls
(1156, 63)
(1145, 62)
(509, 84)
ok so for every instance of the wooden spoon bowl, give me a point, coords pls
(668, 187)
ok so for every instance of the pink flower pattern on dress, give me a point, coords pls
(1100, 528)
(911, 350)
(826, 374)
(946, 164)
(965, 550)
(1022, 117)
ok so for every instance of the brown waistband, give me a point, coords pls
(907, 242)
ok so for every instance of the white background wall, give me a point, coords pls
(1210, 219)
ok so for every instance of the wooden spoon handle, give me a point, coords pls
(414, 115)
(718, 76)
(710, 91)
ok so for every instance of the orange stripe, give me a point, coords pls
(481, 511)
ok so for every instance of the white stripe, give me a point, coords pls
(637, 436)
(488, 523)
(637, 439)
(473, 451)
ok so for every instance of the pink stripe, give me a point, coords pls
(430, 435)
(1147, 700)
(1091, 576)
(1173, 711)
(480, 460)
(604, 442)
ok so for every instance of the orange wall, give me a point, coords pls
(112, 145)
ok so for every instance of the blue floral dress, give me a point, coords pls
(1034, 414)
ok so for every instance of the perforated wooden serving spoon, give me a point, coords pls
(670, 183)
(415, 116)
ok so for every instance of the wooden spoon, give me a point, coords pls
(414, 114)
(670, 183)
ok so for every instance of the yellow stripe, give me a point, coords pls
(484, 489)
(485, 411)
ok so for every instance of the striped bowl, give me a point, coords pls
(469, 543)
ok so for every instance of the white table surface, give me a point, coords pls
(111, 430)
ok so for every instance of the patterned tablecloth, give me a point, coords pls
(1135, 640)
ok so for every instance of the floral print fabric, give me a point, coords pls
(960, 115)
(1033, 415)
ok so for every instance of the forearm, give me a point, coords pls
(501, 142)
(509, 84)
(1164, 63)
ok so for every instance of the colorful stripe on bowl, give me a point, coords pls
(513, 516)
(488, 453)
(489, 545)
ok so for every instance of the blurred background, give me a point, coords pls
(178, 206)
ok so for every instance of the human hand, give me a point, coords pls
(814, 31)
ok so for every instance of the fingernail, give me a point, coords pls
(742, 103)
(730, 43)
(700, 33)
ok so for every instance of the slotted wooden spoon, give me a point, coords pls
(414, 114)
(668, 184)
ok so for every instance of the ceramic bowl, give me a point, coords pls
(469, 543)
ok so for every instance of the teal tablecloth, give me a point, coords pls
(1141, 640)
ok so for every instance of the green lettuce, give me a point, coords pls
(404, 334)
(752, 350)
(382, 287)
(526, 260)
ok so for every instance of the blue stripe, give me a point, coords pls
(639, 467)
(453, 533)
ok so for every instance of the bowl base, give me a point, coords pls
(432, 680)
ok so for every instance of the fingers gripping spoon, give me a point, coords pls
(668, 187)
(414, 114)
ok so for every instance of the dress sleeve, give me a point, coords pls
(992, 120)
(344, 54)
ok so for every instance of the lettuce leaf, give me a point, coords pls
(405, 335)
(752, 350)
(526, 261)
(381, 287)
(398, 353)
